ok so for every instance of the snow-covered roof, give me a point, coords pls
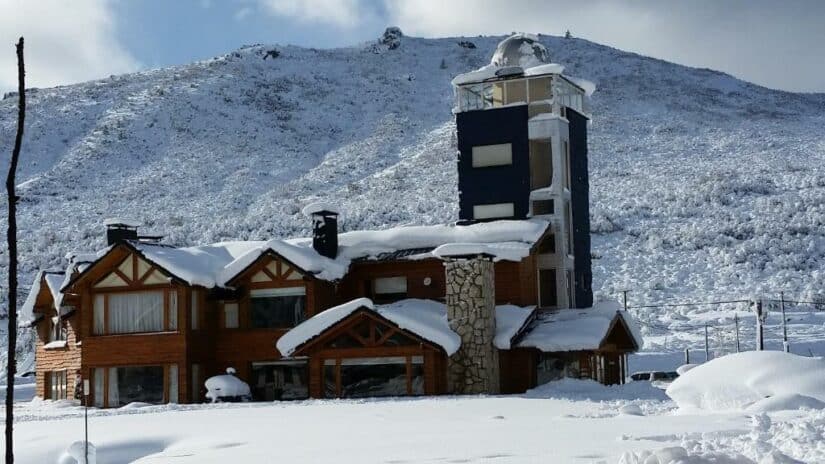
(425, 318)
(317, 324)
(25, 315)
(54, 281)
(115, 221)
(576, 329)
(319, 207)
(510, 321)
(217, 264)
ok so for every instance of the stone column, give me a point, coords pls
(474, 368)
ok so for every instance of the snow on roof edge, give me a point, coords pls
(317, 324)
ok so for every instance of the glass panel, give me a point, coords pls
(135, 384)
(417, 379)
(196, 383)
(135, 312)
(345, 341)
(541, 164)
(231, 320)
(194, 317)
(97, 375)
(471, 98)
(275, 382)
(516, 92)
(536, 109)
(498, 210)
(541, 207)
(330, 370)
(368, 377)
(276, 312)
(540, 89)
(98, 314)
(173, 310)
(399, 339)
(173, 383)
(492, 155)
(547, 288)
(391, 285)
(497, 95)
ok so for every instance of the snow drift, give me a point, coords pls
(764, 380)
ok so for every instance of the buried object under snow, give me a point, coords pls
(748, 379)
(227, 388)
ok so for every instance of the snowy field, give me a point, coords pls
(572, 422)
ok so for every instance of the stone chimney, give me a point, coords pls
(471, 309)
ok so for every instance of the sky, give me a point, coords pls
(778, 44)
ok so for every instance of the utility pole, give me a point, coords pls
(707, 348)
(736, 323)
(624, 299)
(785, 345)
(11, 236)
(760, 334)
(687, 355)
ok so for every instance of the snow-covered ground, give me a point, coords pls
(569, 422)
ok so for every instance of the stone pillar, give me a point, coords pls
(474, 368)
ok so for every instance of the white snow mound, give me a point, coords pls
(737, 381)
(226, 385)
(76, 454)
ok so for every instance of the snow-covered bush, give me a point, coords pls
(76, 454)
(392, 37)
(227, 388)
(763, 380)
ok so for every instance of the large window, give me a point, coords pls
(133, 312)
(387, 289)
(548, 296)
(282, 380)
(58, 329)
(277, 307)
(492, 211)
(58, 385)
(230, 316)
(541, 164)
(135, 384)
(369, 377)
(492, 155)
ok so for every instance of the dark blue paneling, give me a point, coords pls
(580, 203)
(498, 184)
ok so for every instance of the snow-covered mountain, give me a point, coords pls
(703, 186)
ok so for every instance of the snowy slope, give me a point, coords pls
(702, 185)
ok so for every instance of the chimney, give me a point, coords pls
(119, 230)
(324, 229)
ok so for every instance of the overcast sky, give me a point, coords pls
(779, 44)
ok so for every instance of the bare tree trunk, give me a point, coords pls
(12, 238)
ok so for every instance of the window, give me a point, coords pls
(98, 376)
(173, 383)
(230, 315)
(569, 217)
(131, 312)
(494, 95)
(135, 384)
(548, 245)
(194, 309)
(547, 288)
(541, 164)
(492, 155)
(516, 92)
(566, 173)
(196, 383)
(277, 307)
(134, 312)
(283, 380)
(569, 282)
(57, 385)
(492, 211)
(58, 330)
(539, 89)
(542, 207)
(390, 288)
(370, 377)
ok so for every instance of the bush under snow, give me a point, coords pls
(227, 387)
(757, 380)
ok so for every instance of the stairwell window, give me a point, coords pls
(274, 308)
(493, 155)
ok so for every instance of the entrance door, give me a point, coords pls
(612, 369)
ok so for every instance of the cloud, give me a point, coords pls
(242, 13)
(342, 13)
(66, 42)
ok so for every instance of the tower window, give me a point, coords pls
(548, 297)
(492, 211)
(541, 207)
(493, 155)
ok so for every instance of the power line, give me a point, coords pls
(667, 305)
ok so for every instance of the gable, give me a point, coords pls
(132, 271)
(363, 329)
(618, 336)
(270, 268)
